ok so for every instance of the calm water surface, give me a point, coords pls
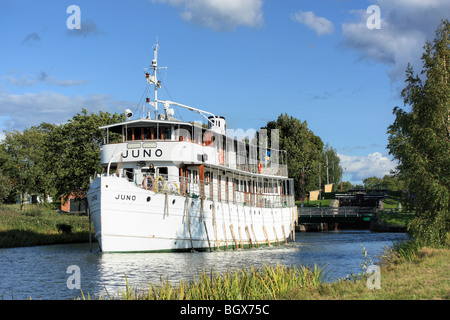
(41, 272)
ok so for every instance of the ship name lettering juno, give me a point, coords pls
(146, 153)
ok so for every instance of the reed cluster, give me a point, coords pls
(267, 282)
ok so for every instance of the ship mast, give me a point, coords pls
(153, 79)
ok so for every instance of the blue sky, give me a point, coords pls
(248, 60)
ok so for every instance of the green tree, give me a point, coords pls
(305, 152)
(346, 185)
(419, 139)
(73, 151)
(332, 170)
(392, 183)
(372, 183)
(5, 187)
(23, 161)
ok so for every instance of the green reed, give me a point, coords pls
(267, 282)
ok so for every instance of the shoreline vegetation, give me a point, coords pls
(408, 272)
(40, 224)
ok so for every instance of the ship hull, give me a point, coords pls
(127, 218)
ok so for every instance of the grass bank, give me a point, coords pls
(407, 272)
(40, 225)
(396, 218)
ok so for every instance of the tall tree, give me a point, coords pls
(305, 152)
(419, 139)
(23, 161)
(73, 151)
(332, 170)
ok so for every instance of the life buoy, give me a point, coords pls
(159, 187)
(168, 184)
(144, 183)
(260, 167)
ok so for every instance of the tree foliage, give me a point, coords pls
(419, 139)
(331, 170)
(54, 159)
(306, 154)
(73, 151)
(23, 161)
(389, 182)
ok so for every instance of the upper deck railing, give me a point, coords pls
(250, 193)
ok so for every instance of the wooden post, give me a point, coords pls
(215, 224)
(276, 236)
(248, 235)
(207, 236)
(267, 236)
(240, 237)
(284, 234)
(232, 235)
(225, 235)
(189, 222)
(254, 234)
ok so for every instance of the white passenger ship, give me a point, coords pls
(171, 185)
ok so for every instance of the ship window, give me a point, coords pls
(162, 171)
(138, 134)
(165, 133)
(129, 173)
(148, 133)
(129, 136)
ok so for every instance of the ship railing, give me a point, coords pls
(214, 191)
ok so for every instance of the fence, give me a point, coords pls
(223, 190)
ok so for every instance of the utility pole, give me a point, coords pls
(319, 183)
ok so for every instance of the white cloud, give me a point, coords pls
(220, 15)
(319, 24)
(362, 167)
(42, 78)
(23, 111)
(405, 26)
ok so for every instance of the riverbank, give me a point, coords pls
(425, 276)
(40, 225)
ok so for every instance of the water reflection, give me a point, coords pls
(40, 272)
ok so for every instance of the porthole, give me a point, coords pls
(148, 199)
(173, 201)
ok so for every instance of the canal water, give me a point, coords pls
(47, 272)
